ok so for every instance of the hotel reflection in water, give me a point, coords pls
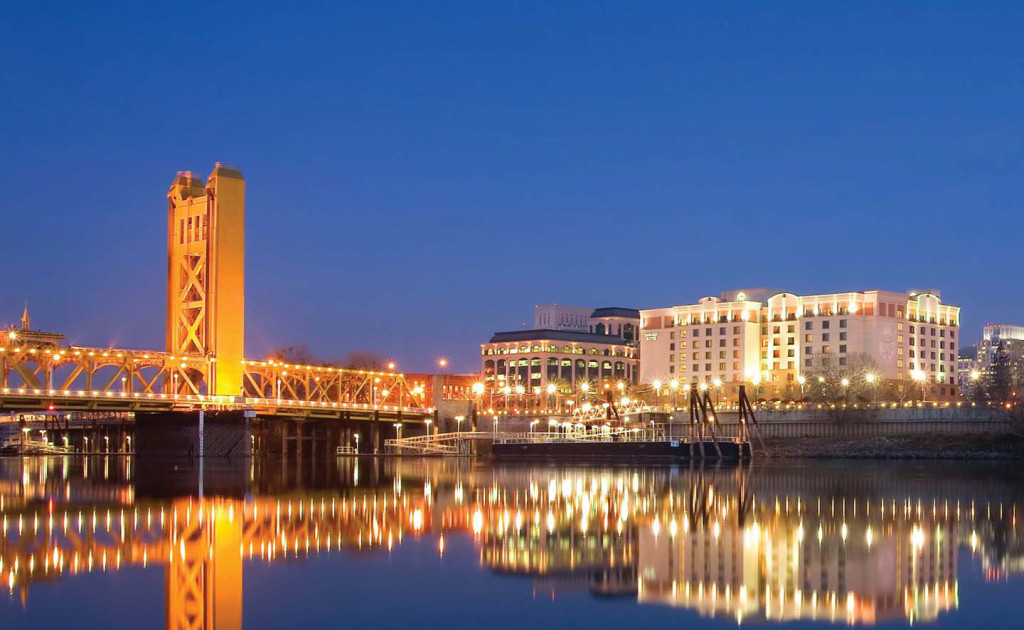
(763, 544)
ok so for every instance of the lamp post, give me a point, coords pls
(674, 386)
(552, 398)
(656, 385)
(458, 423)
(427, 422)
(919, 376)
(870, 380)
(718, 390)
(802, 380)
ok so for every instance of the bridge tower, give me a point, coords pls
(206, 273)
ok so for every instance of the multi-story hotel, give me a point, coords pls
(566, 347)
(773, 338)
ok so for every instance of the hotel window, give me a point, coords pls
(707, 367)
(808, 362)
(899, 326)
(671, 357)
(707, 343)
(696, 367)
(707, 355)
(707, 332)
(696, 332)
(911, 340)
(899, 363)
(776, 330)
(790, 341)
(808, 325)
(791, 353)
(808, 338)
(721, 367)
(735, 354)
(791, 328)
(824, 336)
(671, 369)
(682, 356)
(735, 330)
(721, 331)
(899, 338)
(824, 325)
(900, 351)
(842, 323)
(721, 355)
(721, 343)
(807, 350)
(736, 341)
(842, 348)
(842, 360)
(735, 365)
(671, 346)
(825, 349)
(842, 336)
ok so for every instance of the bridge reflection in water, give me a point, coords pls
(833, 543)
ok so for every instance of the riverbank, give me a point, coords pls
(899, 447)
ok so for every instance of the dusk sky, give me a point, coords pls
(421, 174)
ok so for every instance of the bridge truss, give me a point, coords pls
(34, 375)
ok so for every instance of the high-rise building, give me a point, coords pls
(774, 340)
(1010, 336)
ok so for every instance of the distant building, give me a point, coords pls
(771, 339)
(565, 349)
(1010, 336)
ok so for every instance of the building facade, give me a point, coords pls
(603, 348)
(775, 340)
(1011, 337)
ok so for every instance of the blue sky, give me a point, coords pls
(421, 174)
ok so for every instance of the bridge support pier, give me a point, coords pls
(227, 434)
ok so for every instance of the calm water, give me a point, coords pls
(400, 543)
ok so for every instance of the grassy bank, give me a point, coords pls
(902, 447)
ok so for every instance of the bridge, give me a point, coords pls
(203, 365)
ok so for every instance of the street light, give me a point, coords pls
(870, 378)
(919, 376)
(458, 423)
(802, 380)
(718, 386)
(674, 386)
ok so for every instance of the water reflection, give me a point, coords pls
(837, 544)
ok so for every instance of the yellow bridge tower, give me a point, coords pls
(206, 273)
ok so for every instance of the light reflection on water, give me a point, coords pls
(833, 543)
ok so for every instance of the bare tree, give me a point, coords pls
(364, 360)
(841, 381)
(299, 355)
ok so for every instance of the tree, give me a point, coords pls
(299, 355)
(1000, 378)
(838, 383)
(364, 360)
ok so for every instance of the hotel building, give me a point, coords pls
(566, 347)
(771, 338)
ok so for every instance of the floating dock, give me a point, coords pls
(664, 450)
